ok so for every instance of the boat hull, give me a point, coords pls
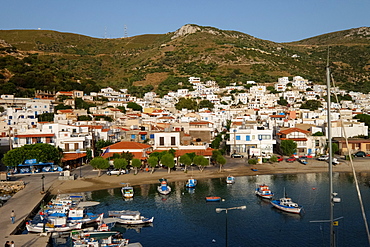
(294, 210)
(213, 199)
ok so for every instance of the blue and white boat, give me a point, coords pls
(264, 191)
(191, 183)
(163, 188)
(287, 205)
(230, 179)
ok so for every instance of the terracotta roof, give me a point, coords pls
(200, 122)
(66, 111)
(35, 135)
(72, 156)
(294, 139)
(291, 130)
(128, 145)
(277, 116)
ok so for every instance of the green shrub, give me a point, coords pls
(252, 161)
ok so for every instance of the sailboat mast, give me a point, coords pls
(332, 236)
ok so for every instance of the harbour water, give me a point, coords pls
(184, 218)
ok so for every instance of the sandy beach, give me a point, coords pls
(235, 167)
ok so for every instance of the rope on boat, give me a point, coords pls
(353, 170)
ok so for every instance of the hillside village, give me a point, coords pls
(251, 120)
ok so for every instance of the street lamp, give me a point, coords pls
(42, 184)
(219, 210)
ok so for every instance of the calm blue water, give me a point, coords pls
(184, 218)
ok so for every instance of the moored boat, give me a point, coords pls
(164, 189)
(287, 205)
(127, 191)
(58, 225)
(213, 199)
(127, 217)
(230, 179)
(264, 191)
(191, 183)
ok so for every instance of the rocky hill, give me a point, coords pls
(49, 60)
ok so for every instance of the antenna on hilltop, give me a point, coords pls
(105, 32)
(125, 32)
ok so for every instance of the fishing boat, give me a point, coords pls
(213, 199)
(111, 241)
(264, 191)
(163, 188)
(103, 231)
(127, 191)
(57, 225)
(287, 205)
(230, 179)
(128, 217)
(191, 183)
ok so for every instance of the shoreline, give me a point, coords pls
(234, 167)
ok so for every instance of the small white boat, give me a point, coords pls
(230, 179)
(164, 189)
(127, 217)
(287, 205)
(111, 241)
(264, 191)
(5, 197)
(58, 225)
(191, 183)
(127, 191)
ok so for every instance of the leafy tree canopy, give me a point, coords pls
(187, 104)
(288, 147)
(134, 106)
(46, 117)
(312, 105)
(42, 152)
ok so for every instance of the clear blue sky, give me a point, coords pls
(279, 20)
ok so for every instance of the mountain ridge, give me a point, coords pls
(157, 61)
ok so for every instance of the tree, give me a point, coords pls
(221, 161)
(282, 101)
(201, 162)
(153, 162)
(167, 160)
(288, 147)
(101, 144)
(187, 104)
(127, 155)
(120, 164)
(134, 106)
(273, 159)
(46, 117)
(99, 163)
(41, 151)
(319, 133)
(136, 163)
(84, 118)
(312, 105)
(206, 104)
(185, 159)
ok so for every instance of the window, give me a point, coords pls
(133, 136)
(248, 138)
(317, 143)
(161, 141)
(66, 147)
(151, 136)
(76, 146)
(143, 137)
(50, 127)
(173, 141)
(237, 138)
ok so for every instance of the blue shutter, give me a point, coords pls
(248, 138)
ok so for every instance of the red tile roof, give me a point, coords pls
(137, 155)
(128, 145)
(72, 156)
(291, 130)
(35, 135)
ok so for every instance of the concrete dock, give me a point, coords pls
(23, 203)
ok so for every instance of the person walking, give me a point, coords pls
(12, 216)
(12, 244)
(7, 244)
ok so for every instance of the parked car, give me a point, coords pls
(237, 156)
(323, 157)
(360, 154)
(291, 159)
(280, 158)
(116, 172)
(303, 160)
